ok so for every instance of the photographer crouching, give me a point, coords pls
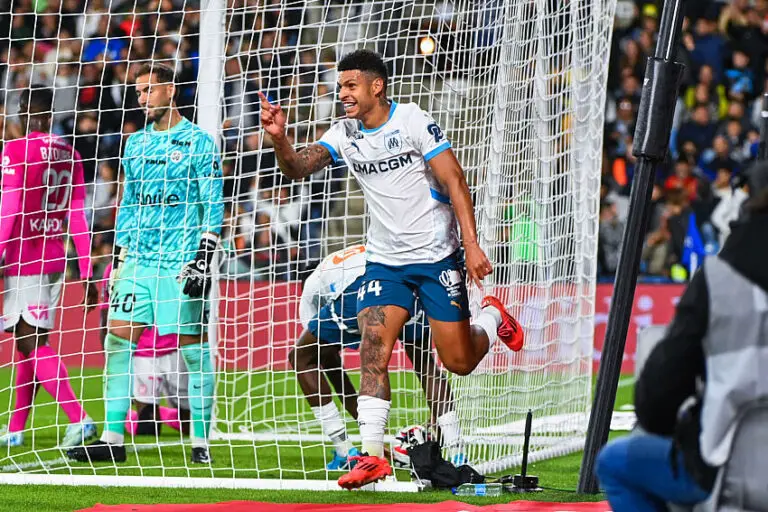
(709, 365)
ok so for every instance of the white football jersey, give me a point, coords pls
(327, 282)
(412, 220)
(330, 279)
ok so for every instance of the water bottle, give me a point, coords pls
(478, 490)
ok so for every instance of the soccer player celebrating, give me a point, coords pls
(415, 190)
(328, 312)
(158, 371)
(43, 190)
(167, 230)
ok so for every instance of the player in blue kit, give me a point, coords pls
(416, 192)
(167, 231)
(328, 313)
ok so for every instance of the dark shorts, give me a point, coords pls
(440, 288)
(336, 322)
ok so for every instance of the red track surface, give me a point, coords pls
(446, 506)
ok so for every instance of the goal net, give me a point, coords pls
(517, 86)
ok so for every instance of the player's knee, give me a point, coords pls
(458, 366)
(301, 358)
(29, 343)
(292, 359)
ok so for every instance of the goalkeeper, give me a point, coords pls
(166, 232)
(328, 312)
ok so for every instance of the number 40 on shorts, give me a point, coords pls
(372, 287)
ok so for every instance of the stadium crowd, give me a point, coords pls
(83, 52)
(714, 138)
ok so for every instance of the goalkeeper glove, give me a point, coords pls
(197, 272)
(118, 257)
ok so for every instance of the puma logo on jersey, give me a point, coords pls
(383, 165)
(454, 303)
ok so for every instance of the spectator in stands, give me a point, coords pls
(709, 47)
(683, 179)
(733, 132)
(699, 377)
(633, 58)
(86, 141)
(700, 130)
(733, 17)
(609, 239)
(736, 111)
(681, 215)
(103, 196)
(739, 78)
(622, 129)
(656, 249)
(717, 95)
(718, 157)
(729, 208)
(87, 50)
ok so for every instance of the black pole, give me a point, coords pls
(525, 482)
(762, 152)
(526, 442)
(654, 124)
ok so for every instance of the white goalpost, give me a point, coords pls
(517, 86)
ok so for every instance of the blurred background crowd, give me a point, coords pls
(715, 136)
(87, 50)
(83, 50)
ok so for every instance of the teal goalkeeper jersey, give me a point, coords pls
(172, 194)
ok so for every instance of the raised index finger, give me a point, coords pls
(264, 101)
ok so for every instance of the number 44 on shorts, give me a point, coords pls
(373, 287)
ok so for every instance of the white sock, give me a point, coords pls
(489, 320)
(112, 437)
(333, 426)
(449, 426)
(198, 442)
(495, 312)
(372, 415)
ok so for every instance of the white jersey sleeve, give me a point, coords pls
(332, 140)
(311, 298)
(330, 279)
(426, 135)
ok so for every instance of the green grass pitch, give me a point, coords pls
(262, 460)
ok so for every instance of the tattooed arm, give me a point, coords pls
(298, 165)
(294, 165)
